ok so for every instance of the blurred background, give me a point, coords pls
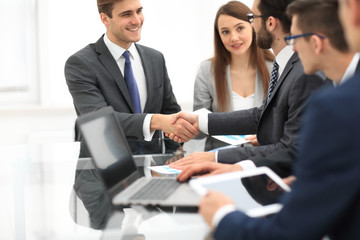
(39, 35)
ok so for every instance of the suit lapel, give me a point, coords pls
(111, 66)
(289, 66)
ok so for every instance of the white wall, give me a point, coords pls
(181, 30)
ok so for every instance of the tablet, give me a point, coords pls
(256, 192)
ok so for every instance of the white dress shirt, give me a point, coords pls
(283, 58)
(138, 71)
(350, 70)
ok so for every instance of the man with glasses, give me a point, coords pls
(277, 121)
(324, 199)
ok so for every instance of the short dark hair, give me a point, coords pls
(276, 9)
(106, 6)
(320, 16)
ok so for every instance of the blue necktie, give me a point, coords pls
(273, 79)
(131, 83)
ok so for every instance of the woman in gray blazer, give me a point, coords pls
(237, 77)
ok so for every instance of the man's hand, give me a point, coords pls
(197, 157)
(180, 116)
(205, 169)
(212, 202)
(289, 180)
(181, 128)
(253, 140)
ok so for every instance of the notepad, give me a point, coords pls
(164, 169)
(232, 139)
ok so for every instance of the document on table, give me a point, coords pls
(164, 169)
(232, 139)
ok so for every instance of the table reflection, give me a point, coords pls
(89, 189)
(35, 184)
(91, 206)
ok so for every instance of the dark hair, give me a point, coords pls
(106, 6)
(222, 56)
(320, 16)
(276, 9)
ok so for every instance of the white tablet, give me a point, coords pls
(255, 192)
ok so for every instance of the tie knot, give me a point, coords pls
(126, 55)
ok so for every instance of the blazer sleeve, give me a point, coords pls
(236, 122)
(280, 125)
(324, 199)
(204, 89)
(281, 161)
(82, 81)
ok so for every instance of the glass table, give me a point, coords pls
(36, 182)
(47, 192)
(91, 206)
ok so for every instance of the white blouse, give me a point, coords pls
(241, 103)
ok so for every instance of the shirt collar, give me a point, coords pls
(350, 70)
(117, 51)
(283, 57)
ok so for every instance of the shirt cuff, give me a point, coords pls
(146, 128)
(247, 164)
(203, 122)
(221, 213)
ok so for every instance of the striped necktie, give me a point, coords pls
(273, 79)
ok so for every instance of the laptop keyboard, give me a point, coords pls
(156, 189)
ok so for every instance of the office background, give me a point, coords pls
(39, 35)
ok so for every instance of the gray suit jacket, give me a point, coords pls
(205, 92)
(276, 123)
(95, 81)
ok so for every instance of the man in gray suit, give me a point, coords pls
(95, 79)
(277, 121)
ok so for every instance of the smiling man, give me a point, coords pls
(133, 79)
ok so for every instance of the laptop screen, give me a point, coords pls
(108, 148)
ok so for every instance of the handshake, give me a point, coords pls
(180, 127)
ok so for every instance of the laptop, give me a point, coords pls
(116, 166)
(256, 192)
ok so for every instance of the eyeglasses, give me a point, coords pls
(290, 40)
(251, 17)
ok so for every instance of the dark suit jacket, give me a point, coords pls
(276, 123)
(95, 81)
(280, 161)
(325, 199)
